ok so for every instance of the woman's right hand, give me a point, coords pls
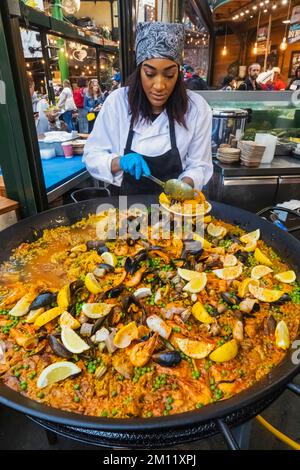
(135, 165)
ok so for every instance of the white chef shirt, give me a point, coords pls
(108, 139)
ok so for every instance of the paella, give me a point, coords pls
(144, 326)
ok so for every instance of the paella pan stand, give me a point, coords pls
(230, 418)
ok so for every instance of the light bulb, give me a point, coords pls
(224, 51)
(283, 45)
(255, 49)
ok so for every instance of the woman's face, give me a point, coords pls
(159, 77)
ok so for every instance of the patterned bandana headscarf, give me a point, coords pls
(159, 41)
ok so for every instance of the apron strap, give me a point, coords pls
(172, 133)
(129, 138)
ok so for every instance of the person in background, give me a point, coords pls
(229, 83)
(250, 83)
(67, 105)
(39, 105)
(78, 95)
(277, 84)
(295, 82)
(196, 82)
(93, 101)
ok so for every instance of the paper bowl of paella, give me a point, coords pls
(198, 206)
(142, 328)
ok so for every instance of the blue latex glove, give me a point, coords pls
(135, 165)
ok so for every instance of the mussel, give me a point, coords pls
(192, 247)
(114, 292)
(230, 299)
(284, 298)
(130, 300)
(167, 358)
(102, 269)
(242, 256)
(269, 325)
(43, 300)
(97, 245)
(132, 265)
(58, 348)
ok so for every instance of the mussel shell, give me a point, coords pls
(108, 267)
(234, 238)
(284, 298)
(242, 256)
(94, 244)
(128, 300)
(130, 266)
(141, 255)
(43, 300)
(75, 287)
(114, 292)
(230, 299)
(167, 358)
(58, 348)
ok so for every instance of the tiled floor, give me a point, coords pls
(18, 432)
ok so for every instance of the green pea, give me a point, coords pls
(41, 395)
(104, 414)
(76, 387)
(76, 399)
(114, 411)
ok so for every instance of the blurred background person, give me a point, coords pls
(295, 82)
(67, 105)
(78, 95)
(93, 101)
(195, 82)
(250, 83)
(229, 83)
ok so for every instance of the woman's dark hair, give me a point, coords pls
(140, 107)
(227, 80)
(297, 70)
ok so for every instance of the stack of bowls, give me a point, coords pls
(251, 153)
(228, 155)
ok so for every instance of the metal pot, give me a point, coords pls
(227, 123)
(167, 430)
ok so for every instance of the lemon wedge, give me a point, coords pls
(34, 314)
(72, 341)
(22, 307)
(126, 335)
(194, 349)
(260, 271)
(63, 297)
(251, 238)
(92, 284)
(197, 284)
(261, 258)
(57, 372)
(201, 314)
(282, 335)
(48, 316)
(96, 311)
(250, 247)
(229, 261)
(205, 244)
(188, 275)
(163, 199)
(109, 258)
(229, 273)
(244, 286)
(216, 231)
(287, 277)
(226, 352)
(66, 319)
(265, 295)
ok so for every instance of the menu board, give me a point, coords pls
(294, 31)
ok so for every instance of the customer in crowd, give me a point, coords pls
(277, 84)
(229, 83)
(250, 83)
(67, 105)
(93, 101)
(295, 82)
(40, 106)
(196, 82)
(78, 95)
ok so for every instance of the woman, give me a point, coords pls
(229, 83)
(92, 103)
(294, 85)
(154, 126)
(78, 96)
(67, 105)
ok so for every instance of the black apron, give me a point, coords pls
(164, 167)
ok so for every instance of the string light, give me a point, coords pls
(255, 49)
(283, 45)
(224, 51)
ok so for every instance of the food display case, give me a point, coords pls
(276, 113)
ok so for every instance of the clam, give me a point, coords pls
(156, 324)
(249, 306)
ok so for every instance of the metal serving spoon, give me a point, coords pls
(176, 189)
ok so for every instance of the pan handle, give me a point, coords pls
(283, 209)
(227, 434)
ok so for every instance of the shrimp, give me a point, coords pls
(141, 353)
